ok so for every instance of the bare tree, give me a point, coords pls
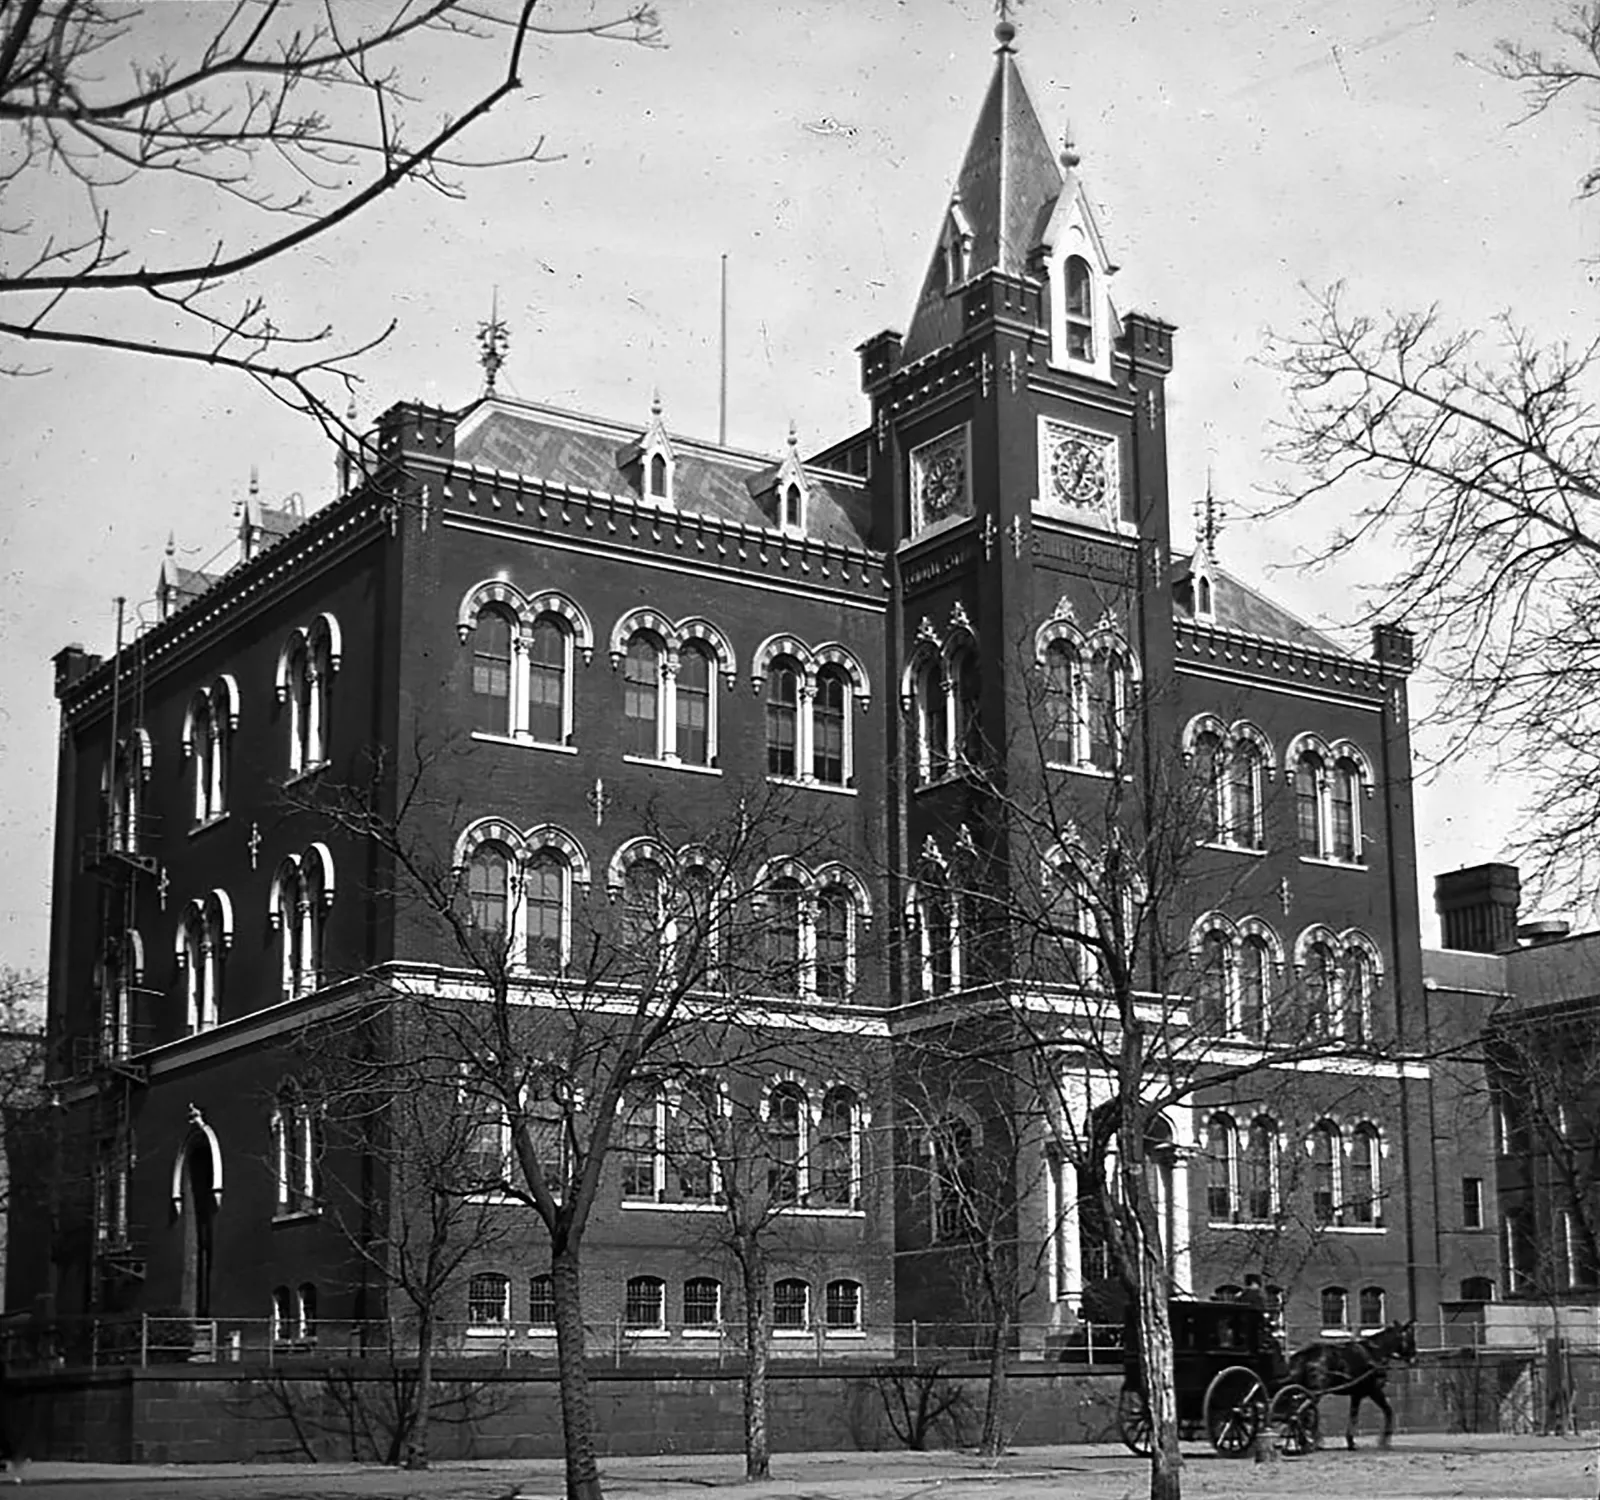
(293, 118)
(1550, 77)
(560, 1046)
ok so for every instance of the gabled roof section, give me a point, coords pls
(1236, 606)
(1007, 186)
(543, 442)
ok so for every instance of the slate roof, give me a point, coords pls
(1239, 607)
(544, 443)
(1008, 184)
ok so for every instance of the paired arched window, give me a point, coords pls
(669, 686)
(783, 718)
(207, 743)
(302, 892)
(1088, 685)
(942, 916)
(1106, 717)
(522, 653)
(518, 890)
(204, 936)
(1330, 783)
(1365, 1180)
(1339, 977)
(816, 1161)
(296, 1151)
(786, 1132)
(810, 930)
(124, 791)
(931, 698)
(696, 704)
(1062, 672)
(1235, 967)
(1231, 764)
(306, 669)
(806, 698)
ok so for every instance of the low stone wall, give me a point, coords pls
(193, 1414)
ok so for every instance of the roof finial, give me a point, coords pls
(1069, 149)
(493, 340)
(172, 544)
(794, 435)
(1210, 529)
(655, 403)
(1005, 33)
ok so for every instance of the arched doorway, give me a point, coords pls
(196, 1197)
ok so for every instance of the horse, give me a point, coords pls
(1358, 1369)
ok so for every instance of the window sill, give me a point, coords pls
(820, 1212)
(1252, 1224)
(491, 1331)
(950, 778)
(542, 1331)
(1333, 864)
(793, 1333)
(844, 1333)
(645, 1333)
(1078, 768)
(206, 823)
(633, 1205)
(710, 1331)
(1223, 848)
(1355, 1228)
(503, 1199)
(812, 784)
(671, 765)
(305, 773)
(296, 1216)
(523, 742)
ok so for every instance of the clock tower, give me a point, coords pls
(1018, 471)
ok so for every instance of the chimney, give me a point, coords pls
(71, 663)
(1478, 908)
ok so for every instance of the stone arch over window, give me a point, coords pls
(1214, 957)
(637, 851)
(1360, 979)
(1259, 968)
(697, 628)
(1199, 725)
(1222, 1179)
(566, 609)
(491, 594)
(198, 1134)
(544, 836)
(486, 831)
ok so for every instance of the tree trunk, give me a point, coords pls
(422, 1397)
(757, 1343)
(1155, 1348)
(577, 1409)
(993, 1442)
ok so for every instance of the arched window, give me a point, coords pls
(302, 700)
(791, 1306)
(1222, 1184)
(1261, 1170)
(1215, 963)
(640, 1143)
(282, 1315)
(489, 1300)
(1208, 766)
(296, 1151)
(1072, 951)
(645, 1304)
(697, 934)
(936, 922)
(549, 651)
(202, 939)
(1325, 1173)
(641, 696)
(1061, 669)
(1318, 983)
(1374, 1307)
(207, 736)
(1477, 1289)
(1361, 1200)
(954, 1177)
(542, 1300)
(784, 950)
(643, 914)
(1335, 1307)
(786, 1117)
(1244, 795)
(1308, 780)
(696, 704)
(835, 917)
(793, 509)
(306, 1329)
(491, 672)
(837, 1150)
(127, 772)
(1203, 596)
(693, 1146)
(1345, 805)
(966, 686)
(842, 1307)
(489, 890)
(658, 477)
(1108, 700)
(933, 726)
(1356, 996)
(702, 1302)
(486, 1143)
(546, 885)
(1079, 309)
(783, 718)
(830, 724)
(1255, 985)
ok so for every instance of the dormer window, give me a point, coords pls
(658, 477)
(793, 510)
(1203, 596)
(957, 247)
(1079, 309)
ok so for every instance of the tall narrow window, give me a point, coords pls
(302, 708)
(791, 1306)
(1317, 982)
(694, 705)
(489, 1300)
(783, 937)
(1356, 988)
(486, 1156)
(1060, 704)
(1346, 840)
(1079, 309)
(834, 911)
(546, 890)
(1106, 690)
(547, 681)
(488, 890)
(641, 697)
(933, 726)
(1472, 1203)
(1374, 1307)
(967, 688)
(836, 1177)
(1208, 788)
(1324, 1173)
(793, 514)
(786, 1113)
(1255, 979)
(638, 1147)
(843, 1307)
(1261, 1170)
(1361, 1202)
(1308, 803)
(783, 719)
(828, 714)
(658, 477)
(1222, 1152)
(953, 1177)
(936, 915)
(1244, 795)
(542, 1300)
(1335, 1307)
(491, 672)
(1212, 1001)
(643, 914)
(702, 1302)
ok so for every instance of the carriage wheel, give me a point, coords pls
(1133, 1420)
(1234, 1409)
(1294, 1417)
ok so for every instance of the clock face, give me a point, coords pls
(1078, 472)
(939, 469)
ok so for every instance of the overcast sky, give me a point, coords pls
(1236, 154)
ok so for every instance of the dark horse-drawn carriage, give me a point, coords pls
(1233, 1381)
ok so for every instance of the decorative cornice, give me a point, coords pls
(1280, 660)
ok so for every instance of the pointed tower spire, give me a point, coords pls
(494, 338)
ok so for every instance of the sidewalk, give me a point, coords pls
(1424, 1465)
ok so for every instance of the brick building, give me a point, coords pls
(600, 616)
